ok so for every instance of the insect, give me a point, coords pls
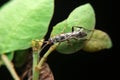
(77, 34)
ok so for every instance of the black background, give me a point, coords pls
(82, 65)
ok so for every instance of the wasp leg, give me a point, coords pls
(73, 28)
(69, 43)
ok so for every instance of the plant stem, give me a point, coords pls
(43, 59)
(36, 46)
(10, 67)
(35, 62)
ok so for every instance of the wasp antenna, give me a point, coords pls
(43, 48)
(72, 28)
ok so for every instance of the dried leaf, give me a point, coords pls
(98, 41)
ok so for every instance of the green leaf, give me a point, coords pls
(23, 21)
(98, 41)
(82, 16)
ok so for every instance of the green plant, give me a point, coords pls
(21, 22)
